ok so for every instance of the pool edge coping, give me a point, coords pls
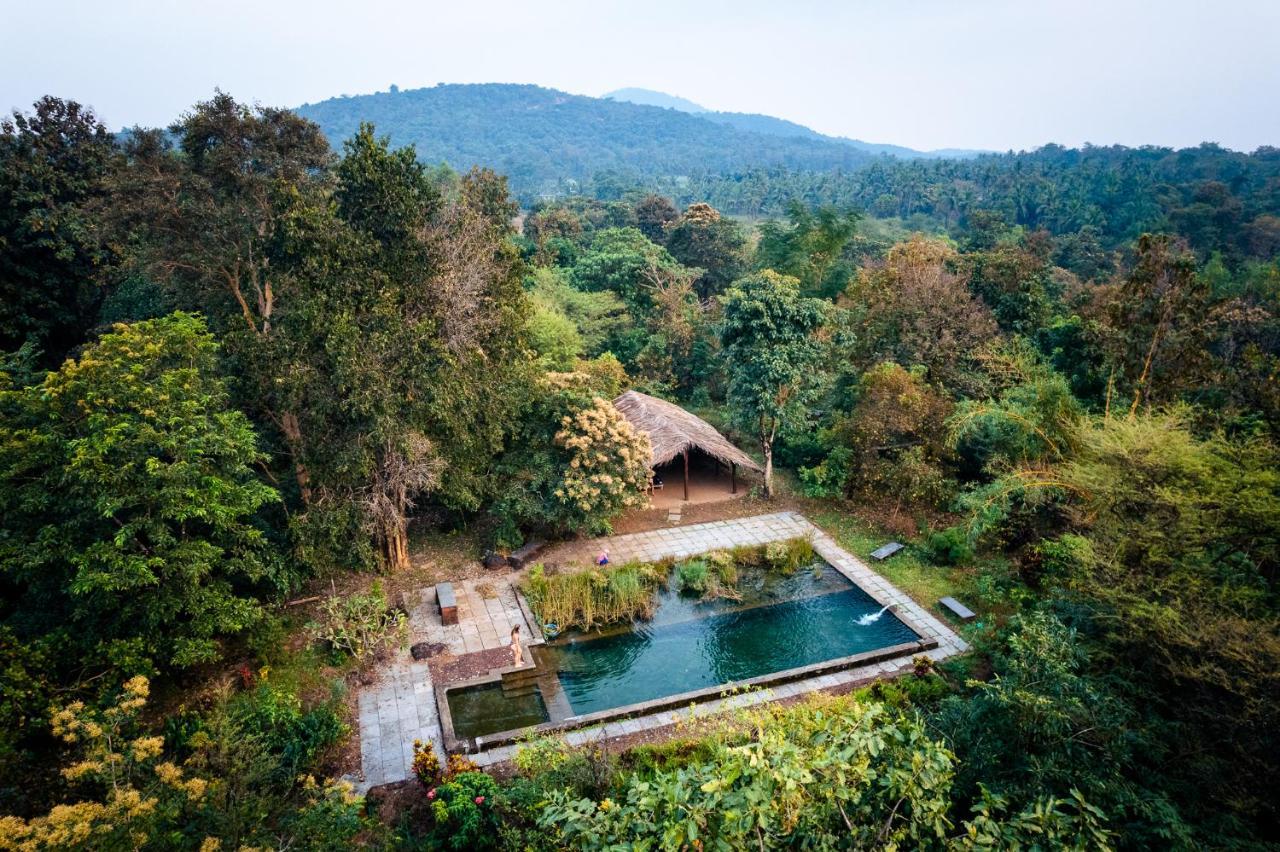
(670, 702)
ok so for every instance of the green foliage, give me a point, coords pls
(1155, 325)
(810, 248)
(464, 812)
(293, 735)
(824, 775)
(1103, 197)
(1040, 720)
(769, 334)
(360, 624)
(890, 443)
(916, 308)
(1011, 271)
(703, 239)
(129, 496)
(54, 164)
(554, 338)
(950, 546)
(549, 140)
(600, 318)
(788, 557)
(1168, 547)
(622, 261)
(692, 576)
(1034, 419)
(126, 794)
(574, 462)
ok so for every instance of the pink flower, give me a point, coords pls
(431, 794)
(479, 800)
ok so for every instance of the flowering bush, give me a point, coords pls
(608, 466)
(463, 814)
(573, 461)
(140, 789)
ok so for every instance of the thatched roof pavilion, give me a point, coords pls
(673, 432)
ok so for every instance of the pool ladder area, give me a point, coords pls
(525, 681)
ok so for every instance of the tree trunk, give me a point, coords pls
(395, 546)
(293, 437)
(767, 446)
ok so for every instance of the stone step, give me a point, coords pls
(519, 691)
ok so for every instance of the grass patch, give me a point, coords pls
(909, 570)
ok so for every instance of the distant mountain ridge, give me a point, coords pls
(548, 142)
(648, 97)
(767, 124)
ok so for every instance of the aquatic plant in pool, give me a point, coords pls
(597, 597)
(604, 596)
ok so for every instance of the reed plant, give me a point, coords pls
(594, 598)
(712, 576)
(609, 595)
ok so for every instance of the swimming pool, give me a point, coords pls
(781, 623)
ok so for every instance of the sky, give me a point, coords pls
(989, 74)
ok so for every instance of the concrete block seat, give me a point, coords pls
(448, 603)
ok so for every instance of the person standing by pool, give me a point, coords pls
(517, 652)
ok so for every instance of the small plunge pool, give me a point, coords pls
(781, 623)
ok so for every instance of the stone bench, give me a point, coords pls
(447, 602)
(882, 553)
(957, 609)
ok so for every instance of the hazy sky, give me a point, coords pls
(992, 74)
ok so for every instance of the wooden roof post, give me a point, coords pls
(686, 476)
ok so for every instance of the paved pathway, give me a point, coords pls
(402, 707)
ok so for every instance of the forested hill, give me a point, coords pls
(541, 138)
(772, 126)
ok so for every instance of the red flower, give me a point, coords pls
(479, 800)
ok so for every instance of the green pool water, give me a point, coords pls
(781, 623)
(484, 709)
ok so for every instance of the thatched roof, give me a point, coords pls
(672, 430)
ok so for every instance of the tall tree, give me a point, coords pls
(653, 214)
(1153, 324)
(429, 349)
(703, 239)
(128, 490)
(208, 221)
(810, 247)
(916, 308)
(771, 346)
(53, 162)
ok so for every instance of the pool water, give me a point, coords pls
(485, 709)
(781, 623)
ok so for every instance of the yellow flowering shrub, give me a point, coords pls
(111, 759)
(608, 467)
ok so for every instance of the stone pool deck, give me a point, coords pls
(401, 707)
